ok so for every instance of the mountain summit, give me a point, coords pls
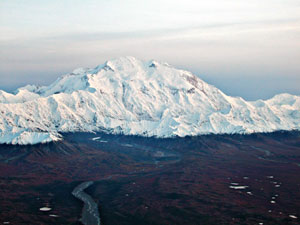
(130, 96)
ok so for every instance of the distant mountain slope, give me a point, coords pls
(130, 96)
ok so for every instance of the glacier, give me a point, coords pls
(136, 97)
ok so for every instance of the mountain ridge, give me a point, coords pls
(130, 96)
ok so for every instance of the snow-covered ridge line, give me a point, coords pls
(130, 96)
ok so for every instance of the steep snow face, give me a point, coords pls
(130, 96)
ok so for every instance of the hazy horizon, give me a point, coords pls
(247, 49)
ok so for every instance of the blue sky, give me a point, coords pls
(245, 48)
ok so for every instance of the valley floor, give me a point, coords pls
(213, 179)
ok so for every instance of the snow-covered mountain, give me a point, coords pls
(130, 96)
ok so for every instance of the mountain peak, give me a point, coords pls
(131, 96)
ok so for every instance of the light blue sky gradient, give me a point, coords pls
(245, 48)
